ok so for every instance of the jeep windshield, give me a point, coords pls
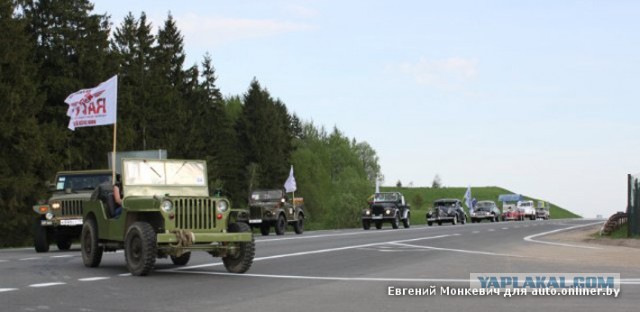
(77, 182)
(164, 172)
(266, 196)
(385, 197)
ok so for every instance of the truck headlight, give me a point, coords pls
(223, 205)
(55, 205)
(166, 206)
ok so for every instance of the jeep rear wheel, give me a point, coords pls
(429, 223)
(366, 224)
(281, 225)
(91, 251)
(63, 242)
(182, 259)
(241, 259)
(140, 248)
(298, 227)
(40, 237)
(264, 229)
(407, 222)
(396, 222)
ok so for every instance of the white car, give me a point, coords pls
(526, 209)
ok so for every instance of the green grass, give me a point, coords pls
(429, 195)
(622, 232)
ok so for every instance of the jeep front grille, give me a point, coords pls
(377, 209)
(71, 208)
(255, 213)
(195, 213)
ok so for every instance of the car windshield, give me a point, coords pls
(484, 206)
(165, 172)
(385, 197)
(525, 204)
(266, 196)
(445, 204)
(81, 181)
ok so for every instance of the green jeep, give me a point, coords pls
(269, 208)
(60, 217)
(166, 212)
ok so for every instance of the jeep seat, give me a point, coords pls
(104, 192)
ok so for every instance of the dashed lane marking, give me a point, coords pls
(92, 279)
(7, 289)
(32, 258)
(64, 256)
(487, 253)
(46, 284)
(505, 228)
(490, 230)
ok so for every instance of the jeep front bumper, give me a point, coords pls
(205, 238)
(378, 217)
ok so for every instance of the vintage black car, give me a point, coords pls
(387, 207)
(446, 210)
(485, 210)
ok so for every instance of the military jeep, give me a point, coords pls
(166, 212)
(386, 207)
(60, 217)
(269, 208)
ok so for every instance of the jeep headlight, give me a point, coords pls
(55, 205)
(387, 211)
(223, 205)
(49, 216)
(367, 212)
(166, 206)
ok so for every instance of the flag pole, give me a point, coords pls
(113, 155)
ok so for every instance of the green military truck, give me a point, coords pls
(272, 208)
(60, 217)
(166, 213)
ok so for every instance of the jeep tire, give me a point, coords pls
(366, 224)
(91, 251)
(396, 222)
(182, 259)
(63, 242)
(407, 221)
(454, 221)
(264, 229)
(378, 224)
(40, 237)
(241, 260)
(140, 249)
(281, 225)
(298, 226)
(429, 223)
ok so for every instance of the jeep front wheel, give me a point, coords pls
(281, 225)
(455, 220)
(264, 229)
(298, 227)
(40, 237)
(396, 222)
(182, 259)
(378, 224)
(91, 251)
(240, 260)
(366, 224)
(140, 248)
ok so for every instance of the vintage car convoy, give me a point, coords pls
(60, 217)
(387, 207)
(485, 210)
(272, 208)
(166, 212)
(446, 210)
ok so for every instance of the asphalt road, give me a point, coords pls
(348, 270)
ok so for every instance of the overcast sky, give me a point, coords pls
(539, 97)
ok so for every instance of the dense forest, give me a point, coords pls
(49, 49)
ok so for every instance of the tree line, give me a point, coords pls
(51, 48)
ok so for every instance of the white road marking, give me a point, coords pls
(530, 238)
(505, 228)
(27, 259)
(63, 256)
(47, 284)
(312, 252)
(475, 232)
(4, 260)
(91, 279)
(7, 289)
(490, 230)
(487, 253)
(266, 240)
(125, 274)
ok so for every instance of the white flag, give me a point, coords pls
(468, 199)
(290, 184)
(94, 107)
(377, 186)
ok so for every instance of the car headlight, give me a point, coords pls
(49, 216)
(387, 211)
(55, 205)
(223, 205)
(166, 206)
(367, 212)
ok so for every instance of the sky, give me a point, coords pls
(539, 97)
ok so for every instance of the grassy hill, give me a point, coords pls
(421, 199)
